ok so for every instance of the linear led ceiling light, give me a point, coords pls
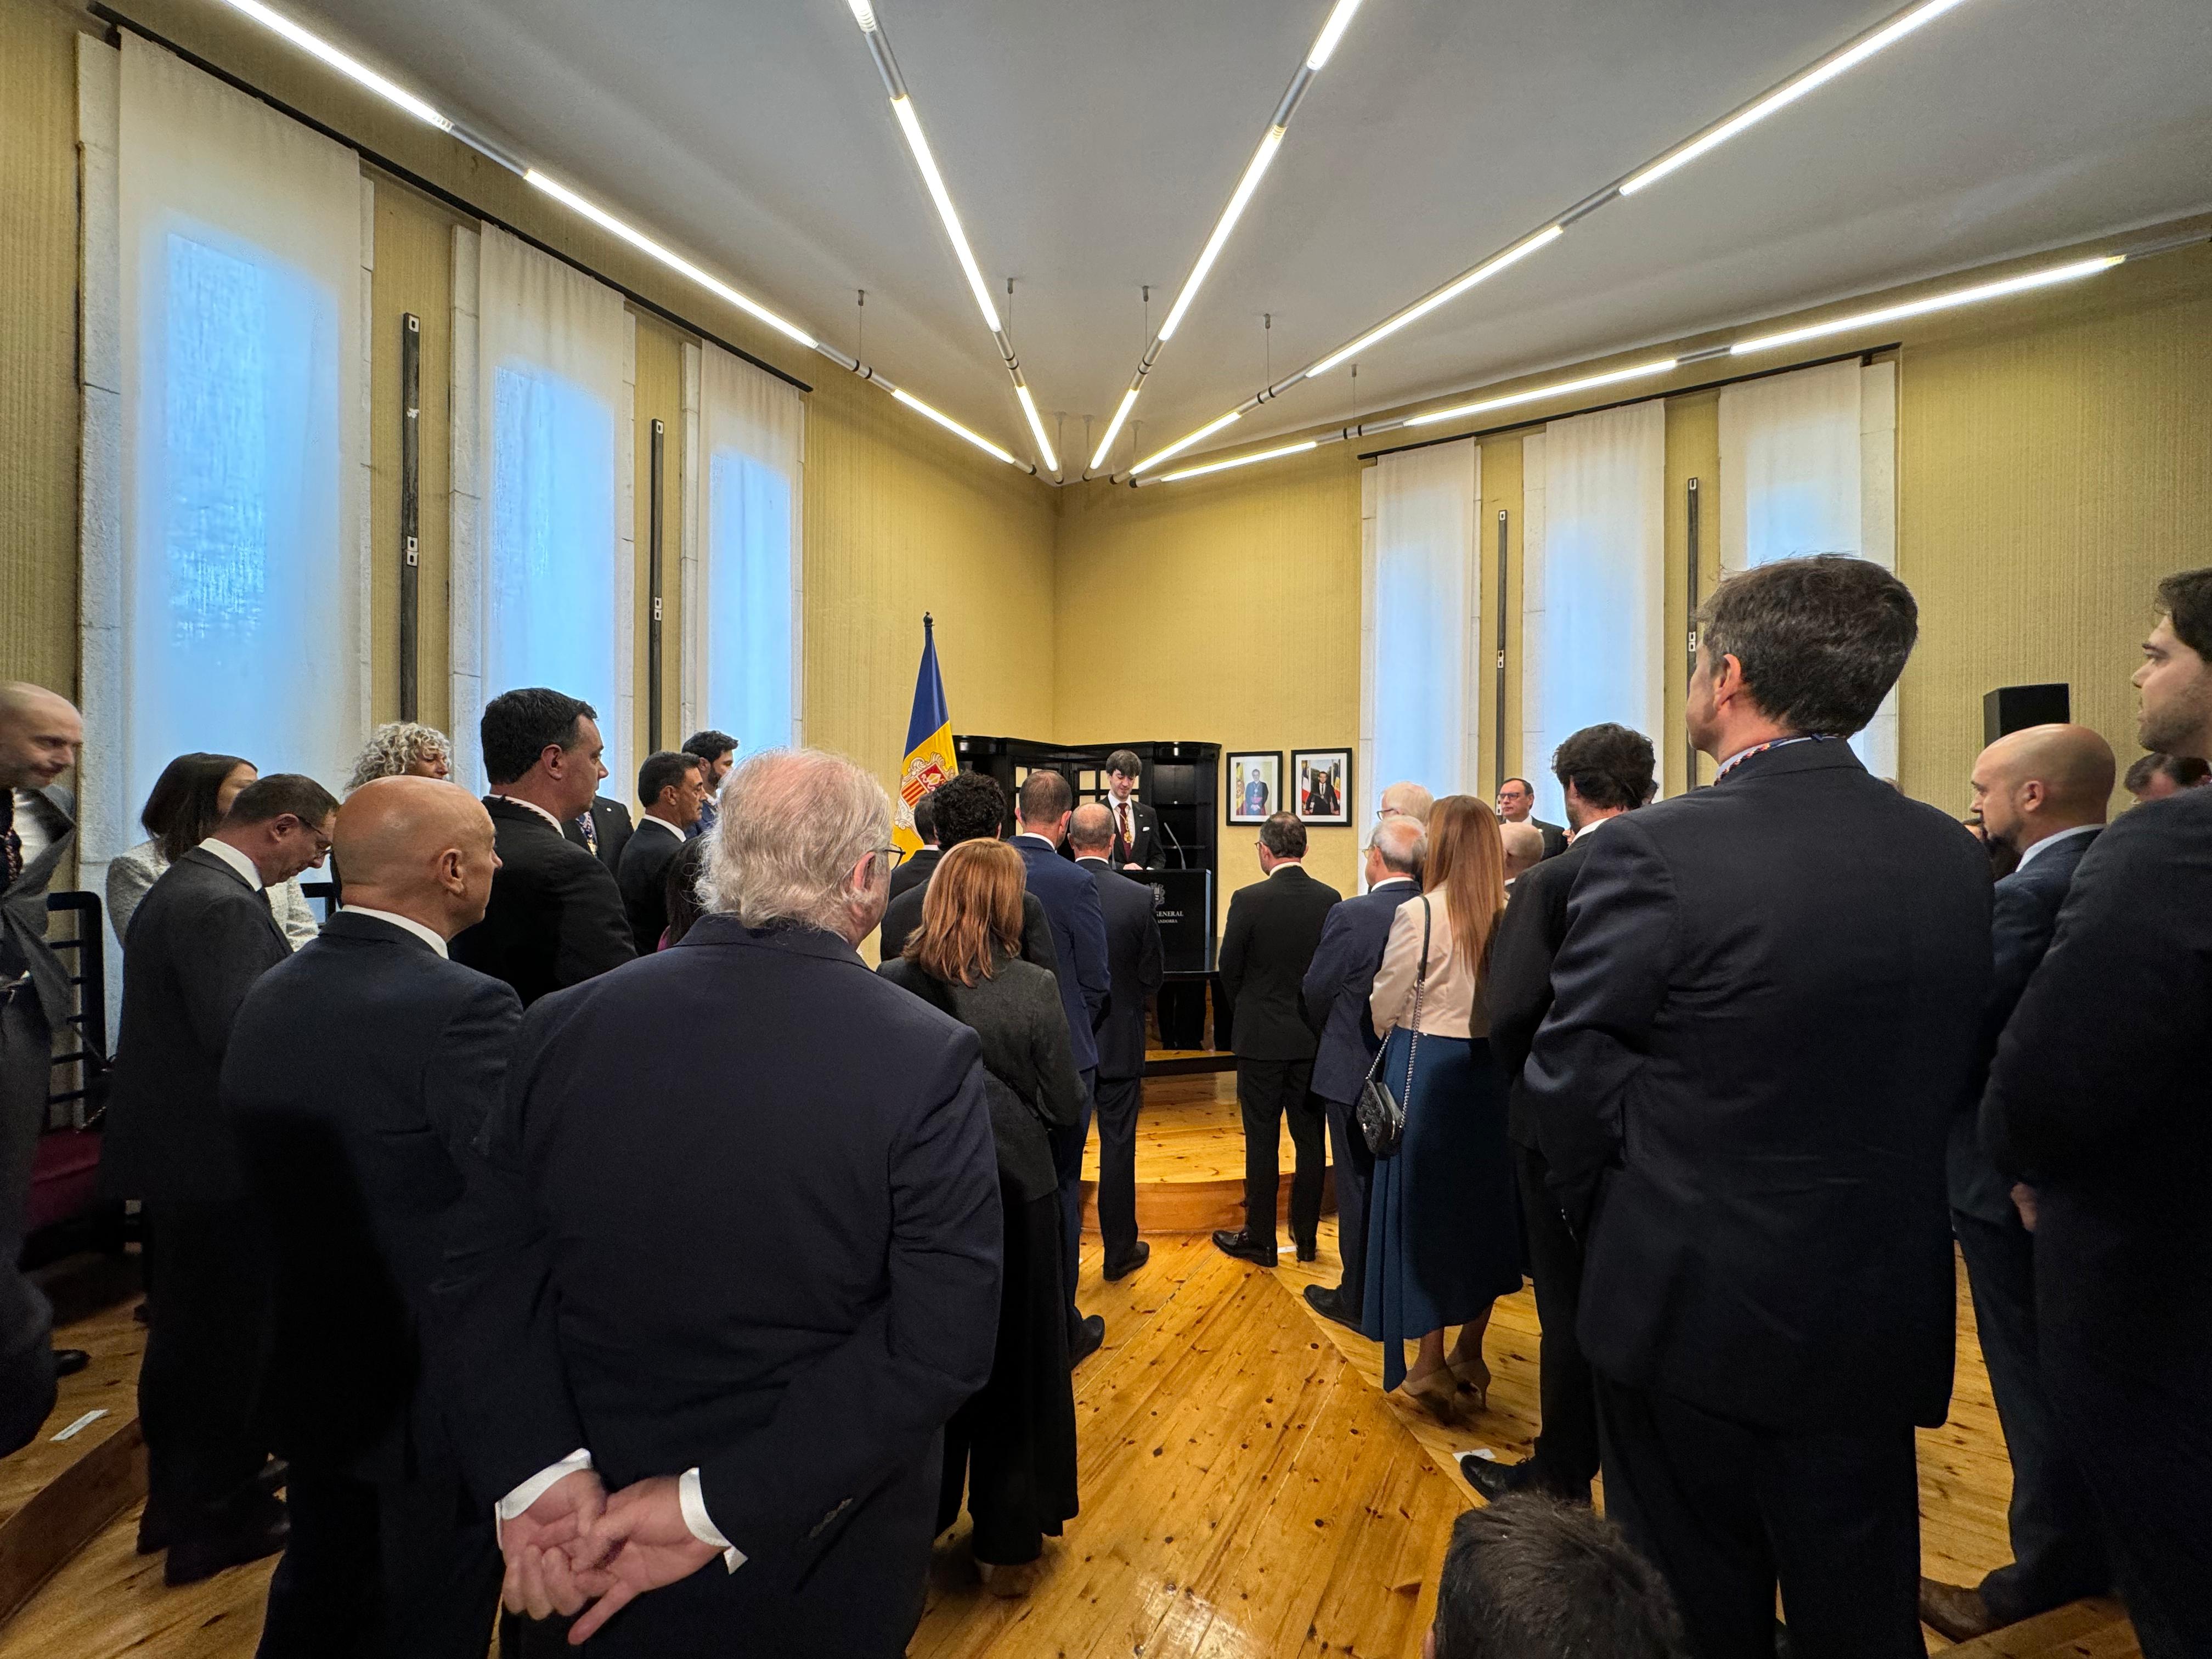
(1854, 51)
(909, 121)
(1316, 59)
(2070, 272)
(355, 69)
(1182, 444)
(1241, 460)
(1557, 389)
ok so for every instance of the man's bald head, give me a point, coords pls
(419, 847)
(2032, 783)
(1090, 831)
(1409, 799)
(1525, 847)
(40, 733)
(1399, 843)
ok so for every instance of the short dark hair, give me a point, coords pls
(1533, 1577)
(924, 817)
(1284, 835)
(281, 793)
(970, 806)
(1609, 765)
(2186, 597)
(661, 769)
(518, 726)
(1523, 782)
(1045, 795)
(180, 808)
(1125, 762)
(710, 745)
(1820, 640)
(2186, 770)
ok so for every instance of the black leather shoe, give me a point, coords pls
(1309, 1249)
(1954, 1612)
(1241, 1245)
(1494, 1480)
(1136, 1259)
(1090, 1337)
(1329, 1304)
(260, 1531)
(154, 1521)
(68, 1361)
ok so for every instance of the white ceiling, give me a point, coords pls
(1090, 145)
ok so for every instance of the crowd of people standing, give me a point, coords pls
(443, 1207)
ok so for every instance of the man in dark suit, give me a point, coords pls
(40, 733)
(917, 865)
(604, 830)
(1134, 964)
(1604, 771)
(718, 753)
(1334, 997)
(199, 939)
(1071, 903)
(555, 916)
(1516, 804)
(966, 807)
(671, 784)
(777, 1424)
(2041, 795)
(1274, 929)
(1136, 826)
(359, 1073)
(1763, 1011)
(2097, 1102)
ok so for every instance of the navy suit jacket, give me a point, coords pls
(1135, 965)
(2022, 918)
(1335, 994)
(357, 1156)
(1763, 1012)
(1070, 898)
(783, 1273)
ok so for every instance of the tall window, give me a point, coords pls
(1420, 691)
(748, 600)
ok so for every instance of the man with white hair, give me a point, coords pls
(1524, 849)
(773, 1288)
(1406, 800)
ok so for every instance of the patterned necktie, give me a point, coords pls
(1124, 850)
(15, 844)
(591, 832)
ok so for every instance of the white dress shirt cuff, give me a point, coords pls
(510, 1508)
(702, 1524)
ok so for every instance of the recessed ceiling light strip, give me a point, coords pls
(1851, 53)
(910, 122)
(354, 70)
(1316, 59)
(1949, 299)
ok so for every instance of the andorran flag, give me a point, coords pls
(929, 758)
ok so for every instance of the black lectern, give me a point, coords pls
(1183, 902)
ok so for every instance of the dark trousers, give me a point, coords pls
(1267, 1090)
(1119, 1100)
(1068, 1164)
(1354, 1164)
(1726, 1511)
(2057, 1544)
(27, 1366)
(382, 1570)
(1566, 1454)
(200, 1385)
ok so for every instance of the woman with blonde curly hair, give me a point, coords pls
(402, 748)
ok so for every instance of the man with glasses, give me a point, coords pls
(199, 940)
(1406, 800)
(1516, 804)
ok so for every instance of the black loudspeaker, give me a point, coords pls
(2013, 707)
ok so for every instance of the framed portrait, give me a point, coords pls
(1254, 781)
(1321, 785)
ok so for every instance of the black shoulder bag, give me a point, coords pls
(1382, 1113)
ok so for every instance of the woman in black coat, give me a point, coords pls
(1012, 1447)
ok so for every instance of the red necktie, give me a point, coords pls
(1129, 841)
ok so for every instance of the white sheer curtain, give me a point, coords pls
(543, 572)
(1593, 540)
(225, 598)
(1808, 465)
(742, 565)
(1423, 604)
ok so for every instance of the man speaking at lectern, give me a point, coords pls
(1136, 826)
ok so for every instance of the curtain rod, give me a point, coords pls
(1864, 354)
(116, 19)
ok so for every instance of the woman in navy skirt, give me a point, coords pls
(1444, 1233)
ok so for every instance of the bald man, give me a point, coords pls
(1406, 800)
(2042, 794)
(359, 1072)
(1524, 848)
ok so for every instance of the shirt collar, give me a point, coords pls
(1041, 841)
(517, 800)
(650, 818)
(236, 859)
(1282, 865)
(1391, 881)
(425, 934)
(2029, 856)
(1743, 754)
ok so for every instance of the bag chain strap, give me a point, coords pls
(1420, 984)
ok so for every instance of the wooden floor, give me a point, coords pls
(1246, 1487)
